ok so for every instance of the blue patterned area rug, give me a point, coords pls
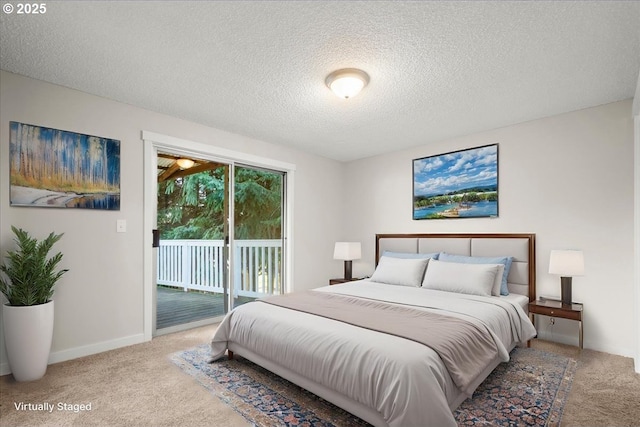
(530, 390)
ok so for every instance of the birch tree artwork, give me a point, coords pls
(57, 168)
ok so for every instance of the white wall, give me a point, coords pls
(99, 301)
(567, 178)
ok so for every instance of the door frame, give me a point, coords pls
(154, 142)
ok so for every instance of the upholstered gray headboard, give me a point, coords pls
(520, 246)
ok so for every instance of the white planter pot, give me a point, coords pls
(28, 332)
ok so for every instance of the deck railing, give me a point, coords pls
(199, 265)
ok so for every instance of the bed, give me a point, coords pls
(390, 373)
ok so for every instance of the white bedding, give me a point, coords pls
(521, 300)
(404, 381)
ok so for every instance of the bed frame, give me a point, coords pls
(521, 280)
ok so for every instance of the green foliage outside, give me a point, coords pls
(31, 273)
(192, 207)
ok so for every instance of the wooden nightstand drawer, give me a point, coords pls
(556, 312)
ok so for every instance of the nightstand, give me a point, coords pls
(555, 308)
(338, 281)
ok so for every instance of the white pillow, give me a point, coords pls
(474, 279)
(400, 271)
(497, 283)
(495, 291)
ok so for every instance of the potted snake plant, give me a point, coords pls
(28, 282)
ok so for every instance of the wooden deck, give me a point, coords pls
(175, 306)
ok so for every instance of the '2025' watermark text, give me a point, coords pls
(25, 8)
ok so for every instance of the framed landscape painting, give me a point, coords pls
(62, 169)
(459, 184)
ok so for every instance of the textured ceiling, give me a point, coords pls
(438, 69)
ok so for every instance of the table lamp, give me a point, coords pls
(566, 264)
(347, 251)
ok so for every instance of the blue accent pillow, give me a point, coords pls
(409, 255)
(507, 260)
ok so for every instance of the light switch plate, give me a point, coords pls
(121, 226)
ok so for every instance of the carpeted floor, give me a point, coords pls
(140, 386)
(502, 399)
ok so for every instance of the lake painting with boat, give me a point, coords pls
(57, 168)
(459, 184)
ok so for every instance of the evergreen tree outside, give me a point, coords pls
(192, 207)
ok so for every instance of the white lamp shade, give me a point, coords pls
(566, 263)
(347, 251)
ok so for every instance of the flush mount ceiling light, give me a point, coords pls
(185, 163)
(348, 82)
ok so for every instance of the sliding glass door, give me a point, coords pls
(220, 237)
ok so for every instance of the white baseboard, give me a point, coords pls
(87, 350)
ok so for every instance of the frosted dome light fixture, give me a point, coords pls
(347, 82)
(185, 163)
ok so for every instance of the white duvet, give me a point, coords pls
(402, 380)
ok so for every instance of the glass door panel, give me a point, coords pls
(257, 233)
(192, 265)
